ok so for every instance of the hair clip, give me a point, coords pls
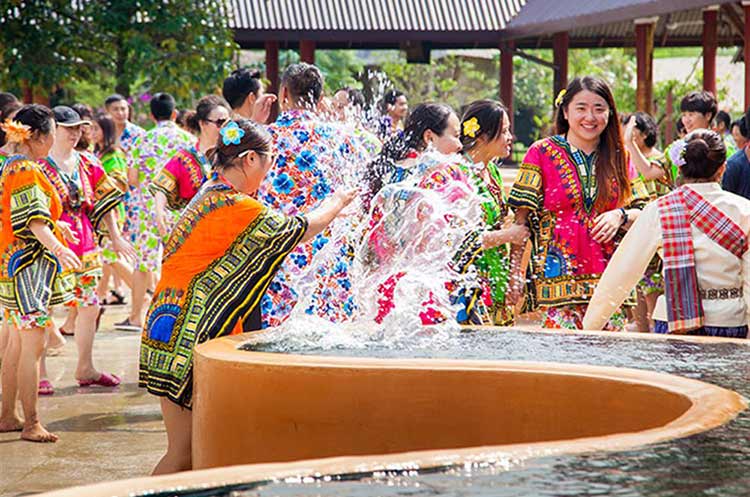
(677, 153)
(15, 132)
(560, 96)
(232, 134)
(471, 127)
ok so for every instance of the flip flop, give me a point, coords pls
(65, 333)
(46, 388)
(104, 380)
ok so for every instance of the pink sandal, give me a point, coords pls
(46, 388)
(104, 380)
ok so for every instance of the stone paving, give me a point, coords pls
(105, 433)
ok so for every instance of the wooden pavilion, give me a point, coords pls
(512, 26)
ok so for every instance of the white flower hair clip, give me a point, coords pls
(677, 153)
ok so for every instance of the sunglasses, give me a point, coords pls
(219, 123)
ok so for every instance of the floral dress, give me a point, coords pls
(148, 155)
(314, 158)
(557, 184)
(87, 194)
(483, 304)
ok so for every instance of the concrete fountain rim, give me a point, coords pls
(712, 406)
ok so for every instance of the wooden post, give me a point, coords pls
(506, 76)
(272, 73)
(307, 51)
(746, 52)
(560, 42)
(710, 45)
(28, 93)
(644, 50)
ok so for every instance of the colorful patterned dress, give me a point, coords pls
(149, 154)
(218, 262)
(181, 177)
(87, 195)
(483, 304)
(314, 159)
(557, 184)
(31, 280)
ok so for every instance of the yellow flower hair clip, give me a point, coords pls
(560, 96)
(15, 132)
(471, 127)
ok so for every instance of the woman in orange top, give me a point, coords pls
(218, 262)
(35, 264)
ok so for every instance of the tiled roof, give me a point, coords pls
(374, 15)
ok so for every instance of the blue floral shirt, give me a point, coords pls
(315, 158)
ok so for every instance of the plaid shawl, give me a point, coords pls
(677, 211)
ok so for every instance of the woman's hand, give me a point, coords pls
(67, 232)
(517, 234)
(262, 108)
(606, 225)
(345, 196)
(67, 259)
(629, 128)
(122, 248)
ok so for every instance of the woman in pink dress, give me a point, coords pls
(574, 191)
(89, 199)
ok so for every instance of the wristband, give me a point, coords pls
(624, 216)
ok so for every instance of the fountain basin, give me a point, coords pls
(252, 407)
(400, 414)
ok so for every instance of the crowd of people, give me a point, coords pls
(207, 224)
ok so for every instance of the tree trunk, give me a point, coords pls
(123, 81)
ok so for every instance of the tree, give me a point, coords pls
(181, 46)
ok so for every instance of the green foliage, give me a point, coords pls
(451, 79)
(340, 68)
(180, 46)
(616, 66)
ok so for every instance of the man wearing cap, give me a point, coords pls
(89, 198)
(147, 157)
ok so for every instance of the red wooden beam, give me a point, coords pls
(506, 75)
(560, 43)
(710, 45)
(307, 51)
(272, 73)
(644, 51)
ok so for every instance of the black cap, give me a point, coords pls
(65, 116)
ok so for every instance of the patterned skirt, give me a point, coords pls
(707, 331)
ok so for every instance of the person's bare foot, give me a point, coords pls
(55, 340)
(38, 433)
(11, 424)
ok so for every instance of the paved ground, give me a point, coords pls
(105, 433)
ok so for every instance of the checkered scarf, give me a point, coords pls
(677, 211)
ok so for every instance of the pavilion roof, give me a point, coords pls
(610, 22)
(473, 23)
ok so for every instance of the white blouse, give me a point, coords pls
(717, 268)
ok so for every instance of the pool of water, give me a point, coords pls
(714, 463)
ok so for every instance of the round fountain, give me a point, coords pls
(279, 418)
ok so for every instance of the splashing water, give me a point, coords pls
(399, 257)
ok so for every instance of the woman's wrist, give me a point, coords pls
(624, 216)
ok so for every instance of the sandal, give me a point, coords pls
(45, 388)
(114, 298)
(66, 333)
(127, 326)
(104, 380)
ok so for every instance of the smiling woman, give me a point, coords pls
(573, 190)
